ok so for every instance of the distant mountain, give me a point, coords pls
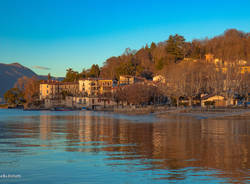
(10, 73)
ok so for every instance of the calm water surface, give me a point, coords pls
(89, 147)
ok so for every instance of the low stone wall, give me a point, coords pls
(140, 110)
(217, 109)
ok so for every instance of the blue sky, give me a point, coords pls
(59, 34)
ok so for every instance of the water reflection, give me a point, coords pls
(178, 149)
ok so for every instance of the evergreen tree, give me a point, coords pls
(94, 71)
(175, 47)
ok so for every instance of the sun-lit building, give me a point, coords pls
(49, 89)
(53, 89)
(159, 78)
(95, 86)
(245, 69)
(129, 79)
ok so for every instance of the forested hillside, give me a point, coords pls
(231, 46)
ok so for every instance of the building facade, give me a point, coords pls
(54, 89)
(129, 79)
(95, 86)
(49, 90)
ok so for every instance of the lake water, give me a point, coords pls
(96, 147)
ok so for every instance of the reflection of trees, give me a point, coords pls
(218, 144)
(181, 143)
(173, 145)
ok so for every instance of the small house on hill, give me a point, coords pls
(216, 100)
(159, 78)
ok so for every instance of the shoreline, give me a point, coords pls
(197, 113)
(207, 113)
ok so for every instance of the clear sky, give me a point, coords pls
(53, 35)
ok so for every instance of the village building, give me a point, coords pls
(215, 100)
(159, 78)
(95, 86)
(49, 90)
(71, 88)
(54, 89)
(244, 69)
(211, 59)
(129, 79)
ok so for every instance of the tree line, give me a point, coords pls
(24, 92)
(150, 60)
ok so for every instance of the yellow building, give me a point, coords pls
(209, 57)
(53, 89)
(49, 89)
(71, 88)
(159, 78)
(105, 86)
(95, 86)
(126, 79)
(243, 69)
(129, 79)
(217, 99)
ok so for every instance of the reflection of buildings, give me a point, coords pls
(179, 143)
(45, 127)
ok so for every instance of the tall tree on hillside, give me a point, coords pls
(71, 75)
(84, 73)
(153, 46)
(94, 71)
(49, 76)
(126, 68)
(175, 47)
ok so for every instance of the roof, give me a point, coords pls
(49, 82)
(209, 96)
(94, 79)
(68, 83)
(54, 82)
(130, 76)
